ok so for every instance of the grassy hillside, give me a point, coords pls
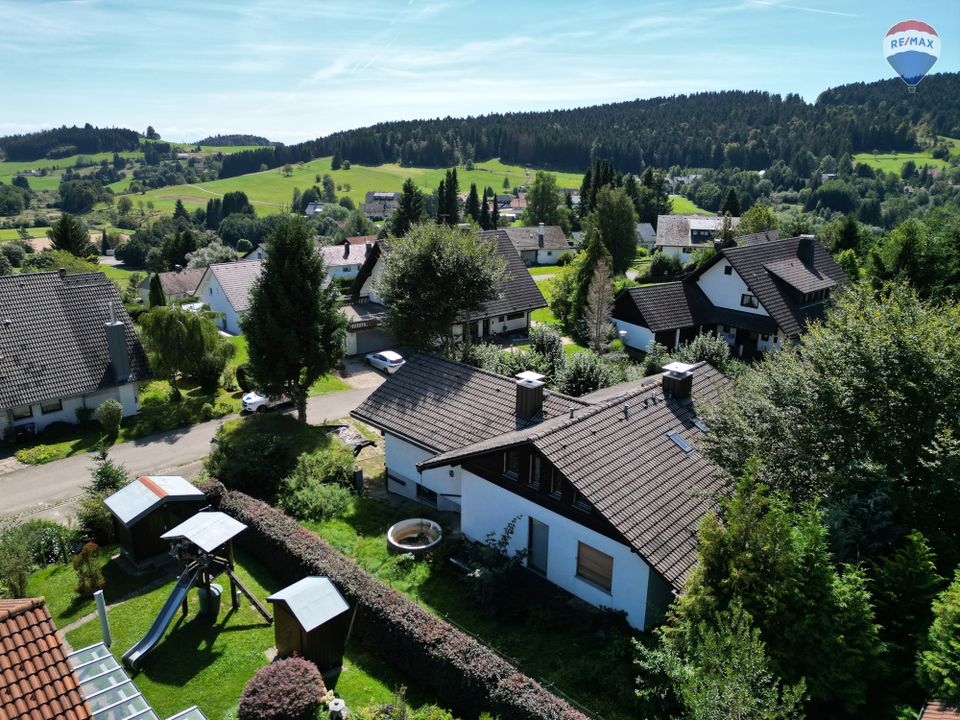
(683, 206)
(270, 190)
(892, 162)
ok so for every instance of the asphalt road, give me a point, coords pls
(50, 490)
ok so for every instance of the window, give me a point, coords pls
(426, 495)
(748, 300)
(533, 480)
(556, 484)
(210, 290)
(687, 250)
(594, 566)
(511, 464)
(21, 413)
(680, 442)
(515, 316)
(728, 269)
(765, 338)
(51, 406)
(580, 502)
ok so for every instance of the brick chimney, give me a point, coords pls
(540, 235)
(677, 380)
(116, 332)
(805, 249)
(529, 395)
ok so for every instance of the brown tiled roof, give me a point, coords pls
(936, 710)
(36, 681)
(618, 455)
(751, 263)
(674, 230)
(671, 305)
(361, 239)
(237, 279)
(181, 282)
(52, 338)
(528, 238)
(800, 276)
(443, 405)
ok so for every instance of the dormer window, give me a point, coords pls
(533, 480)
(750, 301)
(580, 502)
(511, 464)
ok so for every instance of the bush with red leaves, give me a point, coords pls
(288, 689)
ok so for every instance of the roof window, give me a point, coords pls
(680, 442)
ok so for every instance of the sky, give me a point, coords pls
(293, 71)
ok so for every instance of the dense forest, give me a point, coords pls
(66, 141)
(234, 140)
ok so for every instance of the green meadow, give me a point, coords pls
(892, 162)
(271, 190)
(683, 206)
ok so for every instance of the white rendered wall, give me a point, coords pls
(401, 458)
(725, 290)
(488, 508)
(637, 336)
(126, 395)
(211, 294)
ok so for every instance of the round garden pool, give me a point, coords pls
(416, 536)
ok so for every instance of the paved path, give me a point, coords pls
(51, 490)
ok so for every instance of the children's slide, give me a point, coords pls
(133, 657)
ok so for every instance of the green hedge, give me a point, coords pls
(467, 676)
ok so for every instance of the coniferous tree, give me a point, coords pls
(442, 203)
(452, 198)
(70, 234)
(337, 162)
(214, 213)
(409, 210)
(731, 204)
(180, 212)
(294, 328)
(938, 666)
(157, 298)
(472, 209)
(485, 212)
(495, 215)
(594, 253)
(616, 221)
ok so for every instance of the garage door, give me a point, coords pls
(372, 340)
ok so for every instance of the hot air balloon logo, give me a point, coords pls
(911, 47)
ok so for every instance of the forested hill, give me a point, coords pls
(66, 141)
(736, 129)
(234, 140)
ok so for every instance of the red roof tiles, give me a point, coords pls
(36, 681)
(936, 710)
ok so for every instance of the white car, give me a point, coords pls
(257, 402)
(388, 361)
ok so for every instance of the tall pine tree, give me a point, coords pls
(472, 209)
(409, 210)
(485, 212)
(731, 204)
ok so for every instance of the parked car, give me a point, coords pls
(257, 402)
(388, 361)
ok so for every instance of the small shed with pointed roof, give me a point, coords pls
(146, 508)
(312, 620)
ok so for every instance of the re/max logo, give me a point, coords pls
(913, 40)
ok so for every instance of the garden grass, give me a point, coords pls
(552, 637)
(209, 664)
(270, 191)
(14, 233)
(544, 270)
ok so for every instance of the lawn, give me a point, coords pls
(683, 206)
(209, 665)
(549, 635)
(326, 384)
(893, 162)
(270, 190)
(14, 233)
(544, 315)
(544, 270)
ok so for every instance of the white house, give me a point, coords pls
(65, 343)
(680, 235)
(541, 245)
(616, 529)
(508, 313)
(755, 295)
(225, 288)
(343, 261)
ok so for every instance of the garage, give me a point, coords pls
(372, 340)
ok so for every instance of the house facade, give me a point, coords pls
(680, 235)
(225, 289)
(178, 284)
(615, 529)
(541, 245)
(377, 204)
(66, 343)
(755, 295)
(518, 296)
(343, 261)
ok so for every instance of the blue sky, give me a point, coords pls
(296, 70)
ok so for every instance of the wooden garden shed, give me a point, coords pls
(312, 620)
(148, 507)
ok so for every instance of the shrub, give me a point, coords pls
(95, 519)
(710, 347)
(663, 265)
(109, 414)
(583, 373)
(546, 342)
(46, 542)
(462, 672)
(209, 369)
(87, 565)
(288, 689)
(565, 258)
(310, 500)
(244, 378)
(206, 411)
(106, 476)
(36, 455)
(15, 564)
(84, 415)
(14, 253)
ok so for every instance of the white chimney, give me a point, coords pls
(540, 235)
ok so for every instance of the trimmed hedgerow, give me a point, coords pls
(466, 675)
(289, 689)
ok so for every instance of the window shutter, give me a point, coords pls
(594, 566)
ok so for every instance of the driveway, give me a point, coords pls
(361, 375)
(51, 490)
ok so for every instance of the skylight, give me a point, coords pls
(680, 442)
(701, 425)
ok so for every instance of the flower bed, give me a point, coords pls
(465, 674)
